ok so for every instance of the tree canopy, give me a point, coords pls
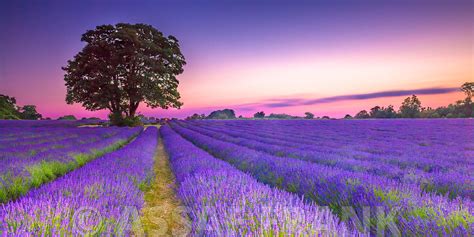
(10, 110)
(468, 89)
(411, 107)
(260, 114)
(123, 65)
(29, 112)
(222, 114)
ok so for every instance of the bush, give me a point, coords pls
(67, 117)
(119, 120)
(222, 114)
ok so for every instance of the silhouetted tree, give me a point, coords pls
(382, 112)
(411, 107)
(362, 115)
(374, 112)
(260, 114)
(222, 114)
(348, 116)
(196, 116)
(123, 65)
(468, 89)
(308, 115)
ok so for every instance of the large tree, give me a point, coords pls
(123, 65)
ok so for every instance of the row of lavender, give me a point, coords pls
(93, 200)
(31, 156)
(336, 147)
(223, 201)
(405, 205)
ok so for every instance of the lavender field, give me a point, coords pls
(241, 178)
(407, 177)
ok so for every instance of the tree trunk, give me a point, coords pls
(133, 108)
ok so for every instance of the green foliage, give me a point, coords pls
(120, 120)
(411, 107)
(67, 117)
(29, 112)
(260, 114)
(382, 112)
(362, 115)
(125, 64)
(8, 108)
(281, 116)
(46, 171)
(196, 116)
(15, 188)
(222, 114)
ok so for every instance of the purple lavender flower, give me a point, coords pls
(103, 189)
(223, 201)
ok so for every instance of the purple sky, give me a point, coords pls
(246, 53)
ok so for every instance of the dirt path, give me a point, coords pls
(163, 213)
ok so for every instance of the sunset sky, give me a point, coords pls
(329, 58)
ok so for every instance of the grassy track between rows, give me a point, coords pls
(163, 213)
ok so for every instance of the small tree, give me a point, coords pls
(222, 114)
(348, 116)
(260, 114)
(362, 115)
(382, 112)
(411, 107)
(375, 112)
(309, 115)
(123, 65)
(390, 112)
(29, 112)
(468, 89)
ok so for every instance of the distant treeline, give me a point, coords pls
(410, 108)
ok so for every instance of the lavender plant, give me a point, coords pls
(223, 201)
(92, 200)
(33, 160)
(412, 211)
